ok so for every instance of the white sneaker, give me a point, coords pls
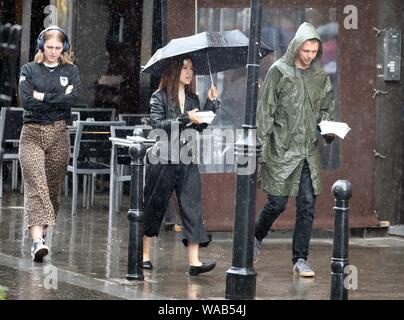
(302, 268)
(39, 250)
(256, 250)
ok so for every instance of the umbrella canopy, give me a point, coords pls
(210, 52)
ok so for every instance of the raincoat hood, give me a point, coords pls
(305, 32)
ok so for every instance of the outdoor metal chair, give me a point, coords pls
(96, 114)
(91, 156)
(133, 119)
(11, 118)
(75, 116)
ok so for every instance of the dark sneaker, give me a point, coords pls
(147, 265)
(303, 269)
(256, 250)
(205, 267)
(39, 250)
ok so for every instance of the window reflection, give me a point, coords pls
(278, 28)
(109, 57)
(63, 13)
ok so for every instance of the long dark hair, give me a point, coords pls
(170, 80)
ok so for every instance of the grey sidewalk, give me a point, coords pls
(88, 259)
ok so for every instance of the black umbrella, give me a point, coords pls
(210, 52)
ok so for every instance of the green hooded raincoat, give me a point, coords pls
(291, 104)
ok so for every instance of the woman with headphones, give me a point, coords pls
(48, 87)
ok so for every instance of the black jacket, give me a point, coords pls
(56, 104)
(166, 115)
(163, 113)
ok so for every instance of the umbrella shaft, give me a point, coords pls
(210, 72)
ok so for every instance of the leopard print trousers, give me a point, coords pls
(44, 153)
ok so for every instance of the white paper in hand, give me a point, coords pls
(205, 116)
(340, 129)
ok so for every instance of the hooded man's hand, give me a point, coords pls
(329, 138)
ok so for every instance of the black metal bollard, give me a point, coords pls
(342, 191)
(136, 213)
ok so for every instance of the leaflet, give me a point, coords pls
(340, 129)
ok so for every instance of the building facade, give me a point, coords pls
(112, 39)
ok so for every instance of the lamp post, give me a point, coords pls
(241, 277)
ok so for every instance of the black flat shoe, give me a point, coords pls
(147, 265)
(205, 267)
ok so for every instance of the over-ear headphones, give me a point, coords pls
(40, 42)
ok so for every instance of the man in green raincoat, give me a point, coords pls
(296, 96)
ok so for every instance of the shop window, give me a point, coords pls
(278, 27)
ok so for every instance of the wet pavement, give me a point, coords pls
(88, 261)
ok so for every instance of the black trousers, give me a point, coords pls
(161, 180)
(305, 206)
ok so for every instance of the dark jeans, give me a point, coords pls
(305, 204)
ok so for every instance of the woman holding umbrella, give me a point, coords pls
(174, 105)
